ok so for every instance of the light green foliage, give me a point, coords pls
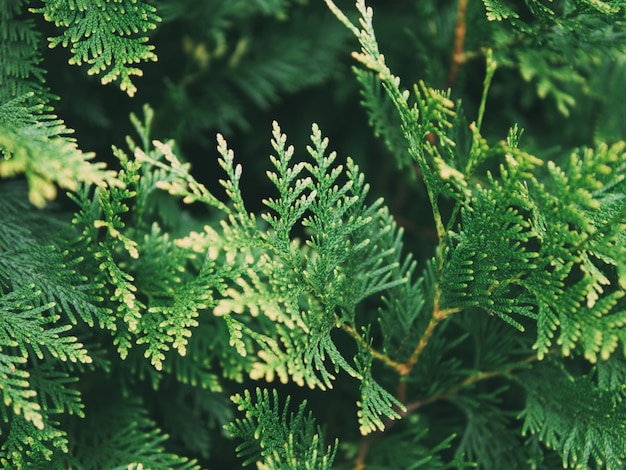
(580, 235)
(27, 446)
(290, 285)
(32, 140)
(278, 439)
(376, 402)
(36, 143)
(152, 302)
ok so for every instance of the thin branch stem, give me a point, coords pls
(438, 316)
(469, 380)
(491, 69)
(359, 462)
(404, 368)
(385, 359)
(459, 37)
(441, 230)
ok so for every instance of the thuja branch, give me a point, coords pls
(371, 57)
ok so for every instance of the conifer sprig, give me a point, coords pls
(20, 71)
(297, 293)
(589, 427)
(525, 263)
(108, 35)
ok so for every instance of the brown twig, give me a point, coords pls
(376, 354)
(438, 316)
(359, 462)
(403, 369)
(459, 37)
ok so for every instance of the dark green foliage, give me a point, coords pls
(18, 48)
(120, 435)
(590, 426)
(406, 449)
(279, 438)
(237, 56)
(473, 317)
(558, 71)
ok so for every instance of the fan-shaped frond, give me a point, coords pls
(108, 35)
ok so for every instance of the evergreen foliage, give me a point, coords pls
(107, 35)
(144, 318)
(283, 440)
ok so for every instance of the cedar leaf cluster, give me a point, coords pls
(170, 310)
